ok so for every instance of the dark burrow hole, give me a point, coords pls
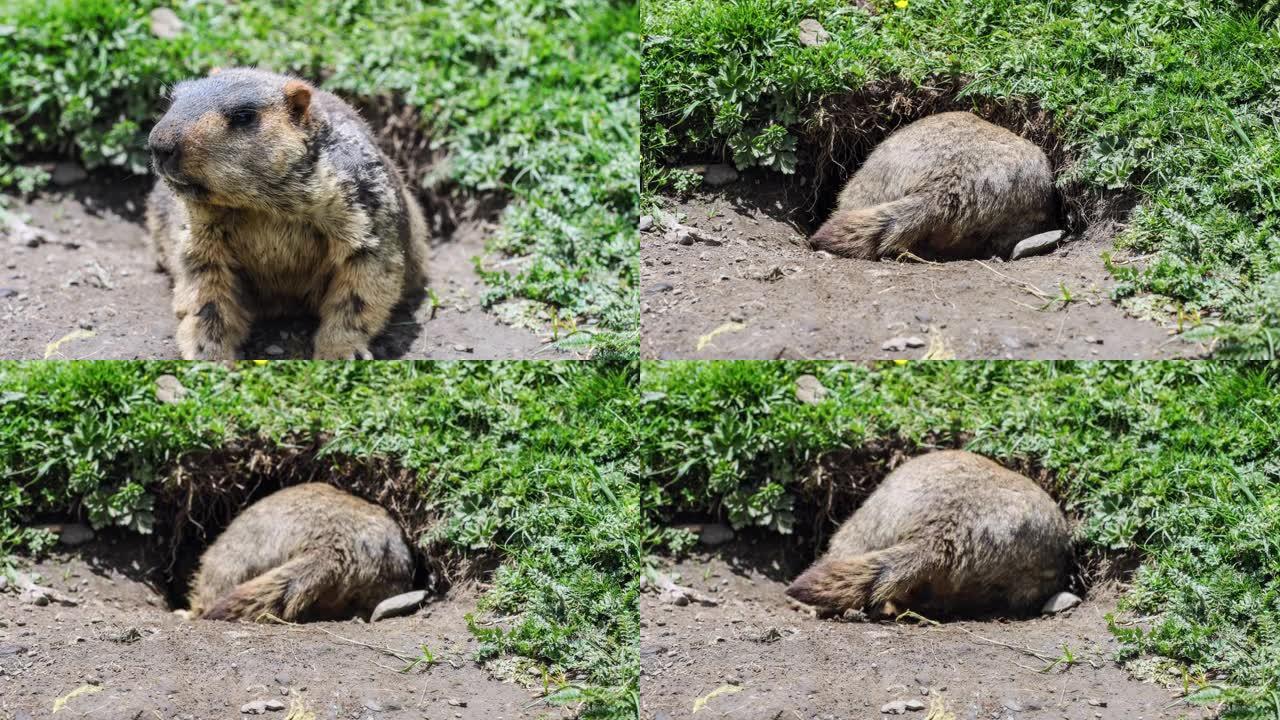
(841, 132)
(842, 480)
(204, 491)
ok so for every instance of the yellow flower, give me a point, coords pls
(260, 362)
(901, 362)
(900, 4)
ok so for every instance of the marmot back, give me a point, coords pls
(950, 185)
(273, 199)
(308, 552)
(950, 533)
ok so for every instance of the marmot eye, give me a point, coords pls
(242, 117)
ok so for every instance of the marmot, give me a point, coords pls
(274, 200)
(950, 186)
(949, 533)
(308, 552)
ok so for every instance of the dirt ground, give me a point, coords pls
(130, 658)
(93, 291)
(761, 293)
(770, 662)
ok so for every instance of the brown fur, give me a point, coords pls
(949, 533)
(294, 210)
(951, 185)
(307, 552)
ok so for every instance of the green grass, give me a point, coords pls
(531, 461)
(1173, 99)
(531, 98)
(1180, 461)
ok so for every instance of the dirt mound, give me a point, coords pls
(756, 291)
(753, 657)
(120, 653)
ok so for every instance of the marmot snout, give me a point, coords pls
(274, 200)
(308, 552)
(949, 533)
(951, 186)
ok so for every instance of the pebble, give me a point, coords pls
(1037, 244)
(1092, 340)
(646, 222)
(810, 390)
(719, 174)
(74, 534)
(812, 33)
(463, 348)
(165, 24)
(66, 174)
(275, 350)
(898, 344)
(169, 390)
(715, 534)
(901, 707)
(401, 604)
(258, 707)
(1060, 602)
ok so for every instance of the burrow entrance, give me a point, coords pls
(830, 491)
(838, 135)
(205, 490)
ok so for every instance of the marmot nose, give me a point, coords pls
(165, 156)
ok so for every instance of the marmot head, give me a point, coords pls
(238, 138)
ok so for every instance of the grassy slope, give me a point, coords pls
(1173, 97)
(1178, 460)
(529, 459)
(530, 97)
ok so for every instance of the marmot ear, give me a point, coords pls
(297, 96)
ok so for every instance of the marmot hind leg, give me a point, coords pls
(290, 592)
(875, 582)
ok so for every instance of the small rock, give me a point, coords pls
(1097, 703)
(812, 33)
(1037, 244)
(165, 24)
(719, 174)
(258, 707)
(809, 390)
(456, 702)
(11, 649)
(169, 390)
(75, 534)
(1093, 340)
(659, 288)
(401, 604)
(899, 344)
(715, 534)
(66, 174)
(463, 348)
(275, 350)
(646, 222)
(901, 707)
(1059, 602)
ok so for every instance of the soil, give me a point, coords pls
(772, 662)
(140, 660)
(94, 292)
(762, 293)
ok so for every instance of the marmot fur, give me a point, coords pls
(273, 199)
(949, 186)
(308, 552)
(948, 533)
